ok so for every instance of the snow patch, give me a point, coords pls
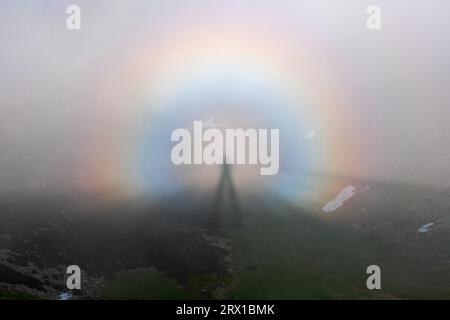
(65, 296)
(340, 199)
(425, 228)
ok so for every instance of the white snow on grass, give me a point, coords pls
(425, 228)
(340, 199)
